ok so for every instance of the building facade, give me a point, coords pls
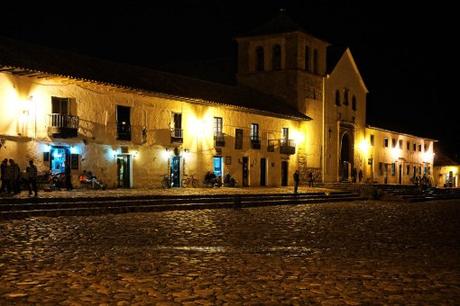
(300, 104)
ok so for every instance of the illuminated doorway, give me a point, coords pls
(218, 166)
(124, 170)
(58, 158)
(175, 171)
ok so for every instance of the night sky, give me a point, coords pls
(405, 51)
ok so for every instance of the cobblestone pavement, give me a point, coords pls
(79, 192)
(331, 253)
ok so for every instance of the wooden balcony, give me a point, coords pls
(219, 140)
(176, 135)
(63, 126)
(287, 146)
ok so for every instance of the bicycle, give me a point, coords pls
(189, 180)
(165, 181)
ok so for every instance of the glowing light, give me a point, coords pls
(364, 147)
(298, 137)
(395, 153)
(135, 154)
(74, 150)
(196, 127)
(166, 154)
(46, 148)
(427, 157)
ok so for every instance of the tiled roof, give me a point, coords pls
(441, 159)
(55, 62)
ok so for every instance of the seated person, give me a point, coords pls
(210, 179)
(229, 181)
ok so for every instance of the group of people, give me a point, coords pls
(88, 179)
(211, 180)
(12, 179)
(422, 182)
(297, 180)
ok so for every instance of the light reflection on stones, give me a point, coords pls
(335, 253)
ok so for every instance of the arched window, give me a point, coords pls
(259, 59)
(337, 97)
(307, 59)
(345, 97)
(353, 103)
(276, 57)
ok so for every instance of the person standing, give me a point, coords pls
(296, 181)
(14, 176)
(4, 176)
(68, 176)
(32, 175)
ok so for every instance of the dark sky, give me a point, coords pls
(405, 51)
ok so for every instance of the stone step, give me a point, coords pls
(128, 207)
(102, 202)
(11, 200)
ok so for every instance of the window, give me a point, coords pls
(380, 169)
(254, 131)
(407, 169)
(385, 142)
(276, 57)
(425, 147)
(218, 126)
(285, 133)
(176, 127)
(345, 96)
(353, 103)
(260, 59)
(393, 169)
(400, 144)
(408, 146)
(315, 61)
(254, 136)
(219, 139)
(60, 105)
(307, 59)
(414, 147)
(420, 148)
(372, 140)
(123, 122)
(393, 143)
(337, 97)
(238, 139)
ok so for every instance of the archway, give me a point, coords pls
(346, 157)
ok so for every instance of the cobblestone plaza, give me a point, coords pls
(352, 253)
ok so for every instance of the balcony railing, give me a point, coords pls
(287, 146)
(176, 135)
(63, 126)
(123, 131)
(219, 140)
(255, 142)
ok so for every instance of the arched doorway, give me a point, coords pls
(346, 157)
